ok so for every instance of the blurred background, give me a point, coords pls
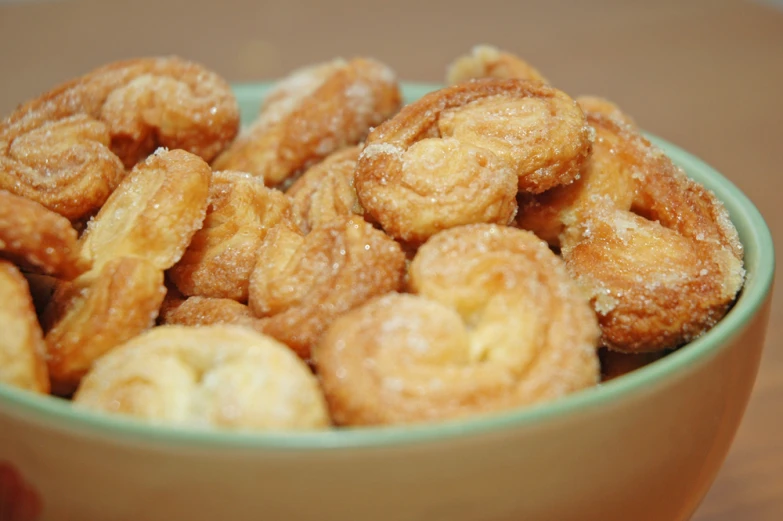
(704, 74)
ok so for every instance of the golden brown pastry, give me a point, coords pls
(612, 171)
(62, 148)
(199, 298)
(205, 311)
(458, 156)
(608, 171)
(486, 61)
(222, 254)
(97, 312)
(661, 263)
(37, 239)
(494, 323)
(222, 377)
(325, 192)
(601, 109)
(312, 113)
(66, 164)
(660, 281)
(154, 212)
(302, 283)
(22, 349)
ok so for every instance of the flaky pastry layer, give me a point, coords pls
(494, 323)
(312, 113)
(222, 254)
(68, 148)
(220, 377)
(98, 311)
(154, 212)
(459, 155)
(302, 283)
(38, 239)
(326, 192)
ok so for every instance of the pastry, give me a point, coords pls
(459, 155)
(487, 61)
(68, 148)
(612, 171)
(65, 165)
(37, 239)
(95, 313)
(493, 323)
(154, 212)
(206, 311)
(301, 283)
(661, 281)
(325, 192)
(314, 112)
(222, 254)
(218, 377)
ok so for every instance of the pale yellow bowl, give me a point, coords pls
(644, 447)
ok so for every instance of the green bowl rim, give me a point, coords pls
(57, 414)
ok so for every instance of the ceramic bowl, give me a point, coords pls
(643, 447)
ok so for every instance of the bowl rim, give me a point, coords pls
(755, 235)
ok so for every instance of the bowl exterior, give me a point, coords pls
(650, 455)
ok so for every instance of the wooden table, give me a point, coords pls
(705, 74)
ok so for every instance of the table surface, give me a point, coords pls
(705, 74)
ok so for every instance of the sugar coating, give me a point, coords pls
(222, 253)
(493, 322)
(453, 157)
(154, 212)
(217, 377)
(301, 284)
(311, 114)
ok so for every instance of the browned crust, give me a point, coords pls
(37, 239)
(494, 323)
(486, 61)
(326, 192)
(222, 254)
(300, 285)
(154, 212)
(380, 174)
(97, 312)
(353, 97)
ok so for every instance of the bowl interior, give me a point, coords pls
(759, 261)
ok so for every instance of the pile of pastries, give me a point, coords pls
(344, 259)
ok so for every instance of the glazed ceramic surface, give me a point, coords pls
(643, 447)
